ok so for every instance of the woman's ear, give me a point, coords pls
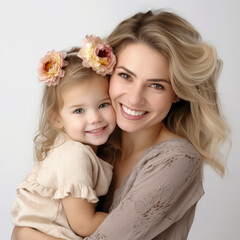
(176, 99)
(56, 121)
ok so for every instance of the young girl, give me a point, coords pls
(59, 195)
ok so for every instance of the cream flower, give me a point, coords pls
(50, 68)
(97, 55)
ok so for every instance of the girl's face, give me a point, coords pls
(87, 115)
(140, 88)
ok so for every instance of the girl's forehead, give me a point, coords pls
(86, 94)
(87, 86)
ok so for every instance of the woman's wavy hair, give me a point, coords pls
(194, 68)
(52, 103)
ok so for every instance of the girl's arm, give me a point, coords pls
(25, 233)
(81, 215)
(77, 169)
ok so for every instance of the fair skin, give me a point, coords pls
(141, 95)
(87, 117)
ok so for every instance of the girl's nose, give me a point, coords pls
(94, 117)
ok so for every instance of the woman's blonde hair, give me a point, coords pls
(193, 70)
(52, 103)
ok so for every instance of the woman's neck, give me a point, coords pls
(139, 141)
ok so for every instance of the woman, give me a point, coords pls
(164, 94)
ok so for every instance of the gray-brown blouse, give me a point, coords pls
(157, 199)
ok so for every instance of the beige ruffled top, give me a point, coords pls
(70, 168)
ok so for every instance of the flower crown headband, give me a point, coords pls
(94, 52)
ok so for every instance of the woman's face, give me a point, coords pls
(140, 88)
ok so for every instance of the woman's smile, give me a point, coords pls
(132, 113)
(140, 90)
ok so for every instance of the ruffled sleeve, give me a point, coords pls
(74, 172)
(70, 169)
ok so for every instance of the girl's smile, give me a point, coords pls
(98, 131)
(88, 118)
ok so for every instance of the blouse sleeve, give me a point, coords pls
(164, 189)
(74, 174)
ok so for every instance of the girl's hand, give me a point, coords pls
(17, 233)
(25, 233)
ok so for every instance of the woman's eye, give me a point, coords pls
(103, 105)
(124, 75)
(79, 111)
(157, 86)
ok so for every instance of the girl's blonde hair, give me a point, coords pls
(193, 70)
(52, 103)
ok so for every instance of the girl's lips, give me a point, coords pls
(132, 114)
(97, 131)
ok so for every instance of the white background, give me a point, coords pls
(30, 28)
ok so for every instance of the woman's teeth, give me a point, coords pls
(131, 112)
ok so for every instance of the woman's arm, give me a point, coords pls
(163, 192)
(81, 215)
(166, 190)
(25, 233)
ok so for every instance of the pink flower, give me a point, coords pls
(97, 55)
(50, 67)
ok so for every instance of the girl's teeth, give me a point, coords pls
(97, 130)
(130, 112)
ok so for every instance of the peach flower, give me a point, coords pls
(50, 68)
(97, 55)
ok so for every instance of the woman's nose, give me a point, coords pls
(136, 95)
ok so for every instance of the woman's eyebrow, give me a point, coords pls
(159, 80)
(128, 71)
(149, 80)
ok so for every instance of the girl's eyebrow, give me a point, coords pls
(76, 106)
(107, 98)
(149, 80)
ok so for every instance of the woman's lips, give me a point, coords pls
(132, 114)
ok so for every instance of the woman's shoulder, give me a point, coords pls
(173, 159)
(176, 147)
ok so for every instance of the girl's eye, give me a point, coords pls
(157, 86)
(79, 111)
(103, 105)
(124, 75)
